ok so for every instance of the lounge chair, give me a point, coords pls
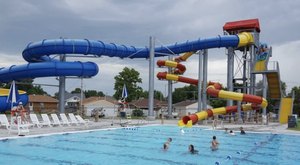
(55, 119)
(19, 126)
(73, 119)
(35, 121)
(126, 120)
(4, 121)
(46, 120)
(64, 119)
(81, 120)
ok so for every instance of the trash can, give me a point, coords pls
(122, 114)
(292, 122)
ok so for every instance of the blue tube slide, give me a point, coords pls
(42, 65)
(4, 105)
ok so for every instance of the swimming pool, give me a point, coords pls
(143, 145)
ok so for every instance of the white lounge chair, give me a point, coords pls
(81, 120)
(4, 121)
(73, 119)
(19, 126)
(46, 120)
(35, 121)
(55, 119)
(64, 119)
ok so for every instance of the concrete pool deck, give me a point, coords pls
(109, 123)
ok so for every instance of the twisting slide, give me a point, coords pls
(213, 89)
(42, 64)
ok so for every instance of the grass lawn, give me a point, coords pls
(296, 128)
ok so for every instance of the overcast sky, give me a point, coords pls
(132, 22)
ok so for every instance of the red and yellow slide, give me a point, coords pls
(213, 89)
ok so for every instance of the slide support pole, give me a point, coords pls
(240, 120)
(265, 88)
(151, 79)
(200, 77)
(205, 64)
(230, 70)
(62, 88)
(170, 86)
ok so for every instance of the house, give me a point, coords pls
(106, 104)
(142, 104)
(72, 102)
(187, 107)
(42, 104)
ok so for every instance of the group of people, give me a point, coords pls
(214, 143)
(191, 148)
(232, 133)
(19, 111)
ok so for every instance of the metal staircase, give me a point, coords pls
(272, 72)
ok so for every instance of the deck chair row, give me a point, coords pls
(21, 127)
(64, 120)
(74, 119)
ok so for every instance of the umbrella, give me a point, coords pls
(13, 97)
(124, 92)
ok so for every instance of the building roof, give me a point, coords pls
(100, 103)
(243, 24)
(42, 99)
(96, 98)
(185, 103)
(143, 103)
(70, 95)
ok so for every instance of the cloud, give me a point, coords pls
(131, 22)
(287, 54)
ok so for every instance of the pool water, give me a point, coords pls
(143, 146)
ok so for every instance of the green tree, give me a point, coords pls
(36, 89)
(296, 107)
(131, 78)
(137, 113)
(26, 85)
(76, 90)
(88, 93)
(260, 87)
(157, 95)
(188, 92)
(283, 88)
(216, 102)
(91, 93)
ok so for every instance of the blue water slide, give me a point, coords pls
(42, 65)
(48, 69)
(40, 51)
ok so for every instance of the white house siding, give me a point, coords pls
(186, 110)
(109, 107)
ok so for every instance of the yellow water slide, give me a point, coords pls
(286, 106)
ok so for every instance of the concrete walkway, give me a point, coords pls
(109, 123)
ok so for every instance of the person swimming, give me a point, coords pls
(214, 144)
(192, 149)
(226, 130)
(242, 131)
(166, 146)
(231, 133)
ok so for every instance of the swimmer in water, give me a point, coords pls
(192, 149)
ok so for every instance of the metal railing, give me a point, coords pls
(273, 65)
